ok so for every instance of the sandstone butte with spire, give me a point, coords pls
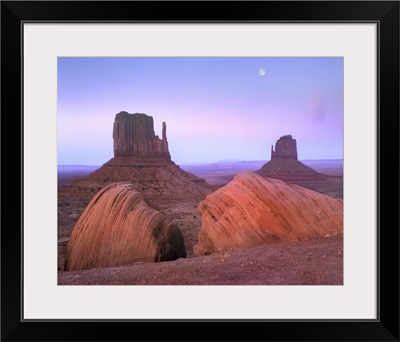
(134, 135)
(284, 164)
(142, 158)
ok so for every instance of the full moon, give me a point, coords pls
(261, 72)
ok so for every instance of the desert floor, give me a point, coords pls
(312, 262)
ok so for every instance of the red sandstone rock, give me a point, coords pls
(252, 210)
(119, 227)
(285, 147)
(134, 136)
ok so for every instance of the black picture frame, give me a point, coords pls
(15, 13)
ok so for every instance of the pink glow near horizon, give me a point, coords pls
(215, 108)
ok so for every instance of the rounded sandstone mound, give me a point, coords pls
(252, 210)
(119, 227)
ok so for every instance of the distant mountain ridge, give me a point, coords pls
(73, 168)
(309, 162)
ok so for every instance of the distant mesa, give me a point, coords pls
(284, 164)
(252, 210)
(120, 227)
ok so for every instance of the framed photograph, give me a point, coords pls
(146, 172)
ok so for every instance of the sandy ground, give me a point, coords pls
(313, 262)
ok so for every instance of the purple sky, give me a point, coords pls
(215, 108)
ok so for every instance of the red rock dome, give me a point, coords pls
(119, 227)
(252, 210)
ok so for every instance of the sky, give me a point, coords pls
(216, 108)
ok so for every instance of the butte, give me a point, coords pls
(142, 158)
(284, 165)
